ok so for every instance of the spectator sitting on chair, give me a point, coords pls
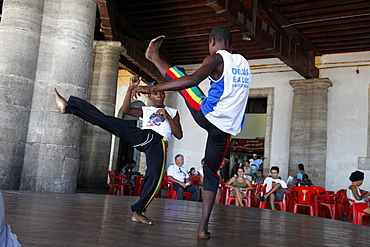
(259, 178)
(300, 171)
(305, 181)
(275, 188)
(192, 172)
(127, 171)
(177, 174)
(239, 186)
(355, 193)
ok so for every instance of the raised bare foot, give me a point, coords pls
(141, 218)
(60, 102)
(153, 49)
(204, 235)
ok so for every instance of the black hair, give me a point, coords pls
(301, 166)
(248, 161)
(238, 169)
(221, 34)
(202, 160)
(276, 168)
(356, 176)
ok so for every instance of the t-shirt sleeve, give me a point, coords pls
(170, 171)
(283, 184)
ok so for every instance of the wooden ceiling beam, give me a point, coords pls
(338, 34)
(105, 20)
(285, 47)
(165, 8)
(340, 39)
(312, 5)
(313, 16)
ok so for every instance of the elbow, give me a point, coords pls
(179, 135)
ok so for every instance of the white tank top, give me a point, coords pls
(156, 122)
(350, 195)
(227, 97)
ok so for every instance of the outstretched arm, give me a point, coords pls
(208, 66)
(126, 109)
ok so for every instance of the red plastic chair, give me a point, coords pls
(116, 184)
(319, 191)
(304, 197)
(139, 183)
(195, 181)
(283, 205)
(329, 203)
(254, 199)
(343, 204)
(164, 184)
(357, 216)
(246, 201)
(172, 194)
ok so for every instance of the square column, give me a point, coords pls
(308, 134)
(96, 142)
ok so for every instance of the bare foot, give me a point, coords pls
(141, 218)
(204, 235)
(153, 49)
(60, 102)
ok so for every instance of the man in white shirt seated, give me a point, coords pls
(275, 188)
(178, 174)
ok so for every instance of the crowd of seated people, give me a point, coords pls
(273, 186)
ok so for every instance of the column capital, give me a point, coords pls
(102, 46)
(311, 83)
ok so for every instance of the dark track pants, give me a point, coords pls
(217, 141)
(147, 141)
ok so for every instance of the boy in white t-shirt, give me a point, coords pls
(275, 188)
(160, 122)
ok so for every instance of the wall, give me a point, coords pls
(255, 126)
(347, 116)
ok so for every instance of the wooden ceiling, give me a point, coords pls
(295, 31)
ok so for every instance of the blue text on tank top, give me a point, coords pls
(214, 94)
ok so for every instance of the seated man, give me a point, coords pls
(177, 174)
(275, 188)
(127, 171)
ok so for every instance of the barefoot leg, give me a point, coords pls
(141, 218)
(60, 102)
(208, 201)
(152, 54)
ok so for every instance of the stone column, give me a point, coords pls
(20, 29)
(64, 61)
(308, 134)
(96, 144)
(364, 162)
